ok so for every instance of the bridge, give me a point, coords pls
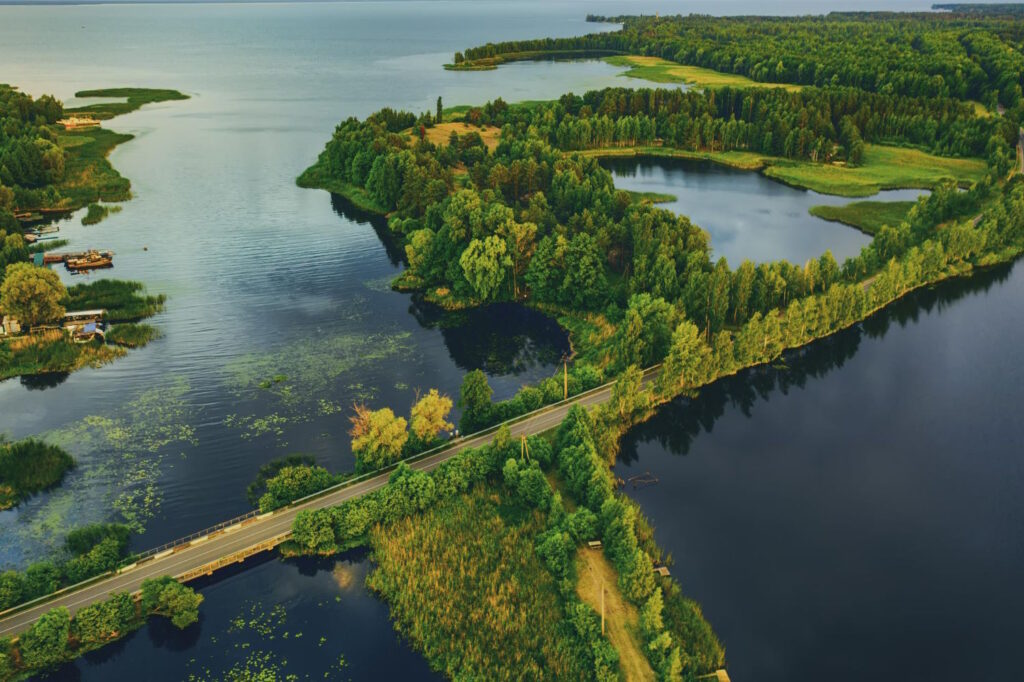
(235, 540)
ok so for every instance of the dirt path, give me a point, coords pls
(620, 616)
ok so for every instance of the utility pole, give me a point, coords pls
(565, 376)
(524, 449)
(602, 607)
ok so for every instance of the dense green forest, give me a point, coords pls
(962, 55)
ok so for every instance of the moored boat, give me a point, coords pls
(90, 260)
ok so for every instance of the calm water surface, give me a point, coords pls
(267, 280)
(855, 512)
(748, 215)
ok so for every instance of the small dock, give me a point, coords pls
(81, 261)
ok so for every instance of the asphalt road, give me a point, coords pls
(231, 540)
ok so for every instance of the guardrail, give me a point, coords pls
(148, 555)
(198, 534)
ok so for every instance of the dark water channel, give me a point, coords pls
(855, 512)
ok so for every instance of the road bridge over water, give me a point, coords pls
(235, 540)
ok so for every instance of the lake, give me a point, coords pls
(748, 215)
(267, 279)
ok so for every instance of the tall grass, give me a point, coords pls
(466, 585)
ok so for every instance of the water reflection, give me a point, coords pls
(856, 508)
(748, 215)
(41, 382)
(675, 426)
(500, 339)
(349, 211)
(311, 617)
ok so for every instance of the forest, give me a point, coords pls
(536, 221)
(964, 55)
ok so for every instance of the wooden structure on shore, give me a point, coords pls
(82, 260)
(75, 122)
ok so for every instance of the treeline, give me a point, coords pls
(31, 160)
(911, 255)
(88, 551)
(813, 124)
(58, 637)
(906, 54)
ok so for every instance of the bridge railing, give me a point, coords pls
(198, 534)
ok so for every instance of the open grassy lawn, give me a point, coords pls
(866, 216)
(135, 98)
(659, 70)
(440, 132)
(883, 168)
(621, 618)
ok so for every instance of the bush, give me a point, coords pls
(271, 469)
(132, 335)
(30, 466)
(123, 300)
(81, 540)
(292, 483)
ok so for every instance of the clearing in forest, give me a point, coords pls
(440, 132)
(621, 618)
(658, 70)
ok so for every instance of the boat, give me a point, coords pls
(91, 260)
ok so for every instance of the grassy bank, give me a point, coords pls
(650, 197)
(866, 216)
(135, 98)
(124, 301)
(132, 335)
(89, 176)
(51, 351)
(317, 177)
(97, 212)
(659, 70)
(883, 168)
